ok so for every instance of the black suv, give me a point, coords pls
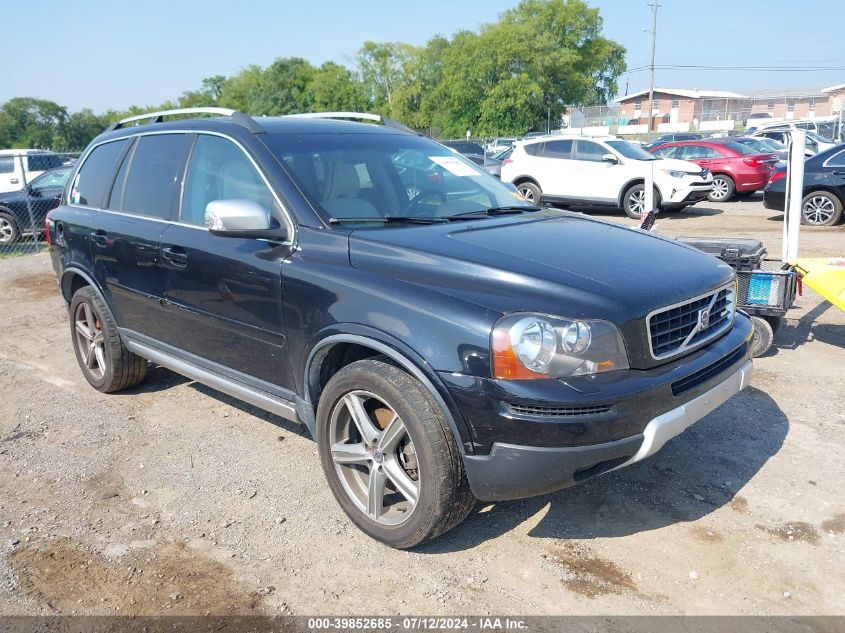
(440, 338)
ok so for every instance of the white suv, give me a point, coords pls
(604, 171)
(35, 163)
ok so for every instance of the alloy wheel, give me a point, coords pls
(720, 189)
(89, 340)
(818, 210)
(636, 201)
(6, 231)
(374, 457)
(527, 193)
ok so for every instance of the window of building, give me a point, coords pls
(770, 105)
(638, 103)
(811, 106)
(676, 102)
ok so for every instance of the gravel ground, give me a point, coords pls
(174, 499)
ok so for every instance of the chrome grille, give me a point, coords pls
(682, 327)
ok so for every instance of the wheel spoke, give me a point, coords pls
(375, 492)
(361, 419)
(392, 434)
(350, 453)
(89, 317)
(90, 356)
(83, 330)
(100, 356)
(406, 486)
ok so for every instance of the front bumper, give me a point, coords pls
(515, 472)
(681, 193)
(534, 437)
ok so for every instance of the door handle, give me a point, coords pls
(176, 255)
(838, 172)
(99, 238)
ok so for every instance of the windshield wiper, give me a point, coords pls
(493, 211)
(391, 219)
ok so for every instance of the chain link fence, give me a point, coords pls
(31, 184)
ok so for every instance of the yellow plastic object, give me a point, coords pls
(825, 275)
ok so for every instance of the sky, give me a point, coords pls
(110, 54)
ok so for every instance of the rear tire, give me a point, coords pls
(763, 336)
(103, 358)
(633, 201)
(744, 194)
(774, 322)
(821, 208)
(724, 188)
(9, 232)
(420, 486)
(531, 192)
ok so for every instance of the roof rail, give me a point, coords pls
(239, 118)
(365, 116)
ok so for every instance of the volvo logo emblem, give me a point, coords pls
(378, 456)
(703, 319)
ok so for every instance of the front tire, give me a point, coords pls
(821, 208)
(633, 202)
(103, 358)
(389, 455)
(724, 188)
(530, 192)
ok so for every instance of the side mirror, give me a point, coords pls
(239, 218)
(610, 158)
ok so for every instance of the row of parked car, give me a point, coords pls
(610, 171)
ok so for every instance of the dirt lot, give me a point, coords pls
(175, 499)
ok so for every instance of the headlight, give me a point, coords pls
(677, 174)
(536, 346)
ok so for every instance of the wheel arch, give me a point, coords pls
(73, 279)
(829, 189)
(331, 352)
(523, 179)
(639, 180)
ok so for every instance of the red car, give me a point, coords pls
(737, 169)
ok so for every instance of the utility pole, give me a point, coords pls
(654, 7)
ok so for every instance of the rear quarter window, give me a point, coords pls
(96, 173)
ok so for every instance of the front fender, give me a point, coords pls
(387, 345)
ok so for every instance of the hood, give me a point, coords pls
(553, 262)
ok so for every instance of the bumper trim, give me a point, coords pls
(672, 423)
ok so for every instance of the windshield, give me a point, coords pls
(816, 137)
(771, 143)
(374, 176)
(629, 150)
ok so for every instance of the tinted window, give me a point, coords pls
(154, 173)
(219, 170)
(51, 180)
(739, 148)
(666, 152)
(465, 147)
(43, 162)
(587, 150)
(7, 164)
(697, 152)
(534, 149)
(95, 175)
(557, 149)
(116, 195)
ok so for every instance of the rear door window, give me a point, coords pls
(155, 176)
(7, 164)
(95, 176)
(666, 152)
(557, 149)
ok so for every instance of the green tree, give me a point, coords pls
(382, 67)
(335, 88)
(29, 122)
(511, 107)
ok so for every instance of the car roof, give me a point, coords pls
(271, 125)
(568, 137)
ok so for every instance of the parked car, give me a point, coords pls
(605, 171)
(755, 119)
(781, 134)
(763, 144)
(669, 138)
(824, 188)
(498, 145)
(35, 163)
(493, 165)
(736, 168)
(420, 339)
(475, 153)
(44, 193)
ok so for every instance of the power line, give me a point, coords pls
(776, 69)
